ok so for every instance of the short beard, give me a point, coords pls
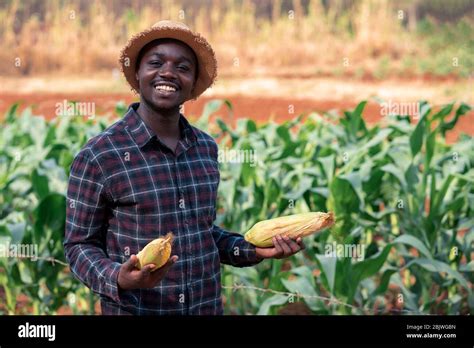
(163, 111)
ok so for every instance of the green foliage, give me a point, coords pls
(35, 156)
(449, 46)
(400, 193)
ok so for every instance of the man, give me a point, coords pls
(151, 173)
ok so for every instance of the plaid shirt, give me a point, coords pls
(127, 188)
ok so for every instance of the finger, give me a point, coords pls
(145, 271)
(284, 246)
(294, 247)
(131, 263)
(149, 268)
(162, 271)
(300, 242)
(173, 259)
(278, 249)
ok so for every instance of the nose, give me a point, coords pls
(167, 70)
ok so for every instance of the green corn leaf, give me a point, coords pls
(415, 243)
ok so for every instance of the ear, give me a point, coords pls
(136, 76)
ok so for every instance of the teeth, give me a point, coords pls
(165, 88)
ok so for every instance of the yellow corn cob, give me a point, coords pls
(156, 252)
(293, 226)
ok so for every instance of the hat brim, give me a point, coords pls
(207, 63)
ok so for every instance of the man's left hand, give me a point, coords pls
(282, 247)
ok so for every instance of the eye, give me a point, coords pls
(183, 68)
(156, 63)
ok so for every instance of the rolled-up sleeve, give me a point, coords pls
(86, 227)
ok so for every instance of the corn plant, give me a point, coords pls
(35, 156)
(398, 191)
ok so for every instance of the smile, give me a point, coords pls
(165, 88)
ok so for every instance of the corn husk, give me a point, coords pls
(293, 226)
(156, 252)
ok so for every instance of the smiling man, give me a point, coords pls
(149, 174)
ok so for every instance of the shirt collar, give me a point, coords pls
(142, 134)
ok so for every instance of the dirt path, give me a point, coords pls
(260, 109)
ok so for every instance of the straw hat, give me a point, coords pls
(207, 63)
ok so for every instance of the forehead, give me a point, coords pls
(169, 47)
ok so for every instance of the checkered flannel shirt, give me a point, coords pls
(127, 188)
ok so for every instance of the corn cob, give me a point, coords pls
(156, 252)
(293, 226)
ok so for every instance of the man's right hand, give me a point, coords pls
(130, 277)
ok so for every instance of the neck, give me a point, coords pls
(165, 123)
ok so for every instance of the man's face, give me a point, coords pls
(166, 74)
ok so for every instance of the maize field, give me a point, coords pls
(402, 199)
